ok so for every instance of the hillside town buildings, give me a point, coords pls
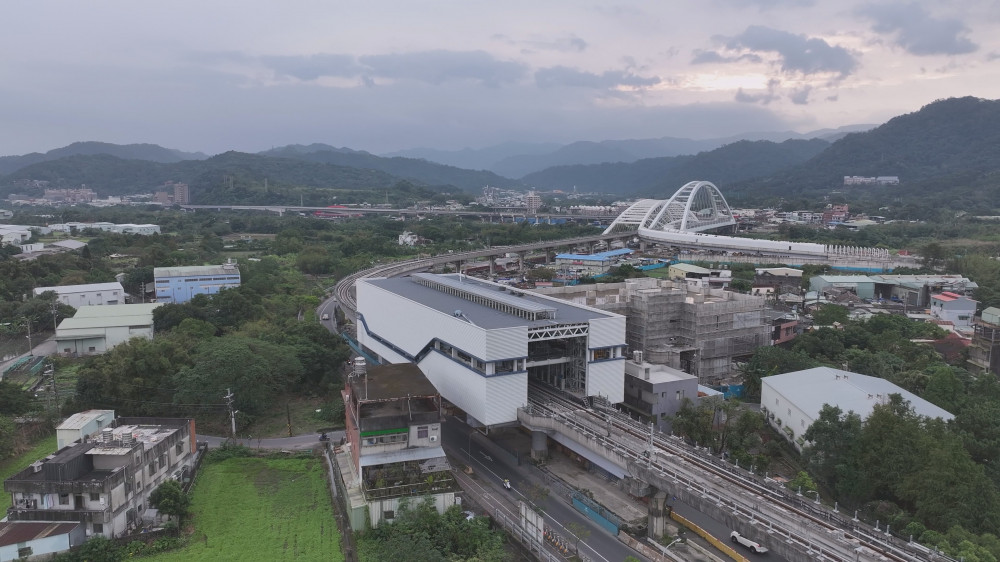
(103, 478)
(393, 448)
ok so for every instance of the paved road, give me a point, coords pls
(297, 443)
(329, 306)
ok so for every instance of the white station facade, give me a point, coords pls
(479, 342)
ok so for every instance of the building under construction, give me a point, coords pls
(702, 332)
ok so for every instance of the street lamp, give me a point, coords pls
(814, 492)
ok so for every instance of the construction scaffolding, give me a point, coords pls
(702, 332)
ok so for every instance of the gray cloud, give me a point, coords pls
(764, 5)
(992, 56)
(570, 77)
(571, 44)
(762, 98)
(311, 67)
(708, 57)
(798, 53)
(431, 67)
(439, 66)
(800, 96)
(918, 32)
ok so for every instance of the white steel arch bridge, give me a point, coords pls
(696, 207)
(699, 206)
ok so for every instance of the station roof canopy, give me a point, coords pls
(485, 304)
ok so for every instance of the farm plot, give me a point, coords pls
(260, 509)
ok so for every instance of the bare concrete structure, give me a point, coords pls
(699, 332)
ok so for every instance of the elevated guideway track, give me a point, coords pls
(813, 530)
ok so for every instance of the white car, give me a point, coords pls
(752, 545)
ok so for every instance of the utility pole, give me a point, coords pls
(55, 391)
(30, 349)
(232, 413)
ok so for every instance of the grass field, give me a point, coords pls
(13, 465)
(260, 509)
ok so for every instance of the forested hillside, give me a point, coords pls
(229, 178)
(150, 152)
(946, 152)
(660, 177)
(407, 168)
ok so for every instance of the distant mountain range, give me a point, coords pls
(517, 160)
(947, 153)
(150, 152)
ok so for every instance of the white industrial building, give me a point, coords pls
(92, 294)
(96, 329)
(792, 401)
(127, 228)
(478, 342)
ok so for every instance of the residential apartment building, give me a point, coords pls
(656, 392)
(103, 480)
(179, 284)
(92, 294)
(698, 277)
(393, 446)
(984, 351)
(950, 307)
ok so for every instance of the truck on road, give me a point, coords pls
(752, 545)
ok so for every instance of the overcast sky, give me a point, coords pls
(386, 75)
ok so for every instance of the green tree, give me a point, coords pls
(771, 360)
(8, 437)
(741, 285)
(579, 531)
(170, 499)
(256, 371)
(14, 400)
(828, 314)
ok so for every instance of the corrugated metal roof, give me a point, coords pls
(481, 315)
(105, 322)
(13, 532)
(80, 419)
(851, 392)
(69, 289)
(116, 310)
(845, 278)
(690, 267)
(600, 256)
(183, 271)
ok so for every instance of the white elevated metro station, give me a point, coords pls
(480, 342)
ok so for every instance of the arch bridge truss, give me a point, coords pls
(696, 207)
